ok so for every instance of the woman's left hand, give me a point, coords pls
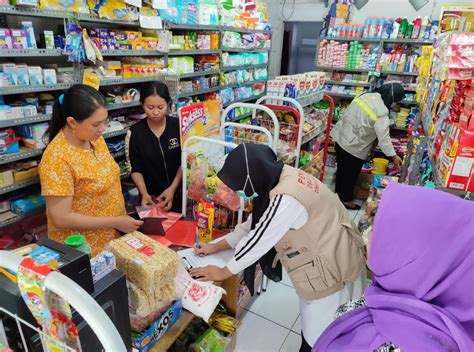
(211, 273)
(165, 199)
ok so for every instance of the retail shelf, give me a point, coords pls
(199, 74)
(118, 106)
(24, 120)
(310, 99)
(115, 133)
(235, 85)
(37, 12)
(352, 39)
(341, 95)
(116, 81)
(23, 154)
(245, 100)
(243, 67)
(243, 50)
(192, 52)
(30, 52)
(198, 92)
(192, 27)
(22, 217)
(241, 116)
(355, 70)
(245, 30)
(350, 84)
(36, 88)
(119, 154)
(132, 53)
(19, 185)
(408, 41)
(439, 183)
(313, 135)
(413, 74)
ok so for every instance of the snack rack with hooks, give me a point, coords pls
(294, 133)
(77, 297)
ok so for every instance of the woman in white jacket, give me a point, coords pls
(365, 120)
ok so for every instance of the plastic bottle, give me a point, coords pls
(427, 32)
(434, 29)
(78, 242)
(403, 28)
(416, 28)
(395, 30)
(365, 33)
(380, 27)
(409, 31)
(387, 29)
(424, 24)
(373, 28)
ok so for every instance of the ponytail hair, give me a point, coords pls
(80, 102)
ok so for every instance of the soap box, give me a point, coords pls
(36, 75)
(19, 40)
(5, 38)
(49, 76)
(23, 77)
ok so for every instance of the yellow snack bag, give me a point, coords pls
(205, 221)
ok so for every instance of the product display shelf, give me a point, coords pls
(191, 27)
(407, 41)
(245, 30)
(439, 184)
(317, 134)
(241, 116)
(413, 74)
(193, 52)
(244, 100)
(119, 106)
(170, 336)
(10, 90)
(23, 154)
(30, 52)
(243, 67)
(115, 133)
(342, 69)
(199, 74)
(19, 185)
(22, 217)
(341, 95)
(244, 50)
(117, 81)
(310, 99)
(198, 92)
(353, 39)
(24, 120)
(132, 53)
(350, 84)
(243, 84)
(37, 12)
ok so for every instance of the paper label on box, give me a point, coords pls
(462, 166)
(151, 22)
(159, 4)
(91, 79)
(456, 185)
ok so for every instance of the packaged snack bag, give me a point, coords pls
(226, 197)
(205, 221)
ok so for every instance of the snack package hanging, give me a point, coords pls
(205, 221)
(226, 197)
(199, 298)
(51, 311)
(197, 189)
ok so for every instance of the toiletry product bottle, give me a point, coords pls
(424, 24)
(427, 32)
(403, 28)
(416, 28)
(395, 30)
(434, 30)
(409, 31)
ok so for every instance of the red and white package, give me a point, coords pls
(155, 211)
(199, 298)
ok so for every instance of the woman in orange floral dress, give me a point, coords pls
(79, 178)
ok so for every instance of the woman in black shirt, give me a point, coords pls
(154, 150)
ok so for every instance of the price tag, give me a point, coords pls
(91, 79)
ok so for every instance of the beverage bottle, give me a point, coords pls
(416, 28)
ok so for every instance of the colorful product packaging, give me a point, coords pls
(205, 221)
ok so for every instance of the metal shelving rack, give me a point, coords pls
(31, 53)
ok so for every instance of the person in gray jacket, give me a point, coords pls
(365, 121)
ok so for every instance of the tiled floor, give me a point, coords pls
(272, 322)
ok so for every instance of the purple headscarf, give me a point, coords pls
(422, 294)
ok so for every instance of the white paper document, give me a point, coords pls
(218, 259)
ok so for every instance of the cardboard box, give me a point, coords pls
(145, 340)
(466, 119)
(6, 177)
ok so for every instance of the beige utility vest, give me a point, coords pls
(327, 251)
